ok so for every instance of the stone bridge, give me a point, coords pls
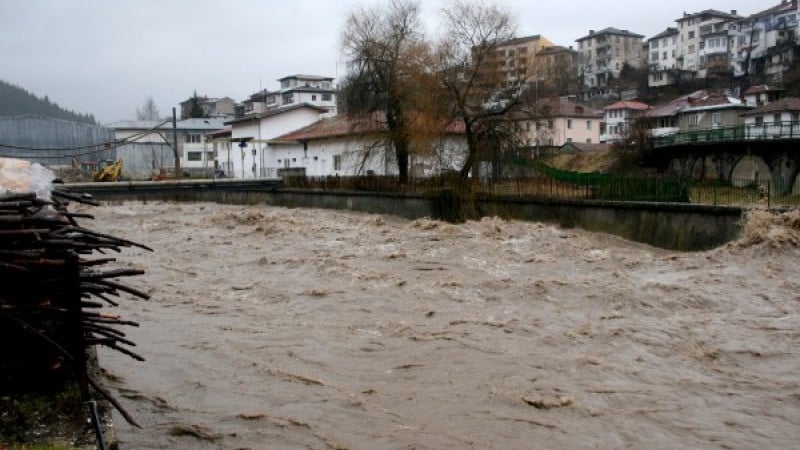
(741, 162)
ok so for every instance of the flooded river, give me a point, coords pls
(273, 328)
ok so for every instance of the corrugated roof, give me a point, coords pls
(183, 124)
(785, 104)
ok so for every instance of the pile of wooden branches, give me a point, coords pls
(52, 293)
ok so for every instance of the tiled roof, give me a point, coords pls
(709, 12)
(276, 111)
(340, 126)
(564, 107)
(637, 106)
(760, 89)
(784, 104)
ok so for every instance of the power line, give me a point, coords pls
(107, 145)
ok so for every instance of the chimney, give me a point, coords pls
(733, 12)
(591, 32)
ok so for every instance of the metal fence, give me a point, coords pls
(759, 131)
(565, 185)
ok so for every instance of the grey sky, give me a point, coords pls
(106, 56)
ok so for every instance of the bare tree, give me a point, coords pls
(478, 94)
(386, 54)
(148, 111)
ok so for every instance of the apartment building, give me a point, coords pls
(763, 44)
(555, 68)
(515, 59)
(602, 55)
(693, 30)
(662, 51)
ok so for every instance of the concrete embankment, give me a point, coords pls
(678, 226)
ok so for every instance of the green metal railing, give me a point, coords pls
(762, 131)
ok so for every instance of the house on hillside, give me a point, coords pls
(761, 95)
(663, 119)
(346, 146)
(775, 120)
(618, 118)
(603, 54)
(713, 110)
(558, 120)
(662, 58)
(694, 28)
(514, 60)
(764, 44)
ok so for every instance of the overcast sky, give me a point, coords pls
(105, 57)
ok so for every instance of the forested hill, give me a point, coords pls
(16, 101)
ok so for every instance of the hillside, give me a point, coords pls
(15, 100)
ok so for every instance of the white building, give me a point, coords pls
(251, 135)
(295, 89)
(662, 58)
(693, 28)
(618, 118)
(342, 146)
(763, 43)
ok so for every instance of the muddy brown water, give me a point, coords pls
(273, 328)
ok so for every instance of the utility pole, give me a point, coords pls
(175, 144)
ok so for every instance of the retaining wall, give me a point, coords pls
(675, 226)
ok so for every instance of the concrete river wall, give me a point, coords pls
(678, 226)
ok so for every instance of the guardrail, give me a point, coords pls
(763, 131)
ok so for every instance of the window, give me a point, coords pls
(287, 98)
(569, 139)
(694, 119)
(664, 55)
(588, 124)
(313, 97)
(589, 140)
(691, 35)
(337, 162)
(759, 121)
(550, 124)
(194, 156)
(569, 124)
(654, 44)
(326, 97)
(193, 139)
(776, 118)
(654, 56)
(795, 117)
(691, 48)
(716, 119)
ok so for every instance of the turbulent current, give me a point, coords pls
(273, 328)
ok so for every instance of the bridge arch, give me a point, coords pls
(751, 169)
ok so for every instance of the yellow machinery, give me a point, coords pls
(108, 171)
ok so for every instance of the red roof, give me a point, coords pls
(636, 106)
(785, 104)
(340, 126)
